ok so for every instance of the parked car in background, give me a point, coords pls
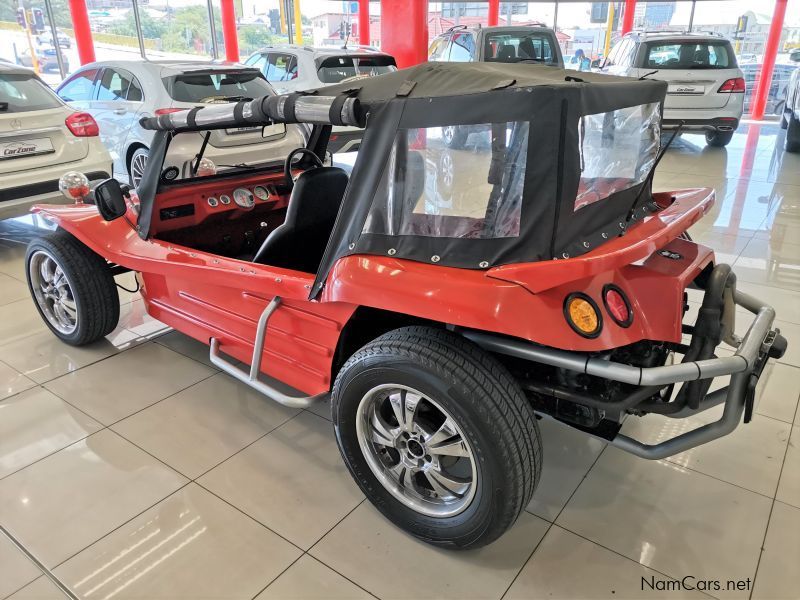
(790, 117)
(119, 93)
(47, 38)
(706, 86)
(40, 138)
(290, 68)
(513, 44)
(781, 73)
(45, 56)
(535, 44)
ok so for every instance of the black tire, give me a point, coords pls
(455, 137)
(792, 142)
(483, 400)
(140, 154)
(90, 282)
(719, 139)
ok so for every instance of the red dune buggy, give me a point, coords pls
(445, 298)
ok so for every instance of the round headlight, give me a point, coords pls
(206, 168)
(582, 315)
(74, 185)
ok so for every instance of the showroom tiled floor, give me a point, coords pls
(134, 469)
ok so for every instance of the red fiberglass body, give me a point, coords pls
(206, 295)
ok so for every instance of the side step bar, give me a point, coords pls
(251, 378)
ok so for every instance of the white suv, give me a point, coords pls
(706, 86)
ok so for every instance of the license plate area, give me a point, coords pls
(270, 131)
(23, 148)
(686, 89)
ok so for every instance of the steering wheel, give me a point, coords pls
(287, 165)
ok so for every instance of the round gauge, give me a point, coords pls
(212, 201)
(225, 199)
(261, 192)
(244, 197)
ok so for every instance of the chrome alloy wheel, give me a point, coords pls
(53, 292)
(416, 450)
(138, 164)
(448, 133)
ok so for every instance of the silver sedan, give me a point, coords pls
(119, 93)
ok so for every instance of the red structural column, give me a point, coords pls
(494, 12)
(770, 52)
(83, 31)
(229, 33)
(363, 22)
(627, 17)
(404, 30)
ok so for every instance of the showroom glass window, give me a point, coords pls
(617, 151)
(79, 88)
(434, 187)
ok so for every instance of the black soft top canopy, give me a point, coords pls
(561, 162)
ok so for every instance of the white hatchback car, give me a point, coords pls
(706, 87)
(119, 93)
(40, 139)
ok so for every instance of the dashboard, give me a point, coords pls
(230, 216)
(219, 200)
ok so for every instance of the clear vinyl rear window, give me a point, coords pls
(617, 151)
(464, 181)
(24, 93)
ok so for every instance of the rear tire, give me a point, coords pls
(719, 139)
(137, 165)
(490, 454)
(72, 287)
(792, 143)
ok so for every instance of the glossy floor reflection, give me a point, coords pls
(132, 468)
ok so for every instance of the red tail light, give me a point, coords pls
(617, 305)
(166, 111)
(732, 86)
(82, 125)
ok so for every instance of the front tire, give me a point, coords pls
(72, 287)
(792, 143)
(719, 139)
(438, 435)
(455, 137)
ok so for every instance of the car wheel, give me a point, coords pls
(792, 143)
(719, 139)
(454, 137)
(72, 287)
(137, 166)
(438, 435)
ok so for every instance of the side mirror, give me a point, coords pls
(794, 56)
(110, 199)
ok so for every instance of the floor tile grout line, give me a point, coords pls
(771, 510)
(45, 572)
(552, 523)
(274, 579)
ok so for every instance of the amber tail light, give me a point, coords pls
(582, 315)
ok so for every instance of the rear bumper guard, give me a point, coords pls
(758, 345)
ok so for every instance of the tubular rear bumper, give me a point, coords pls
(759, 343)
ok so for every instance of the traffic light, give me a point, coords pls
(21, 17)
(38, 19)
